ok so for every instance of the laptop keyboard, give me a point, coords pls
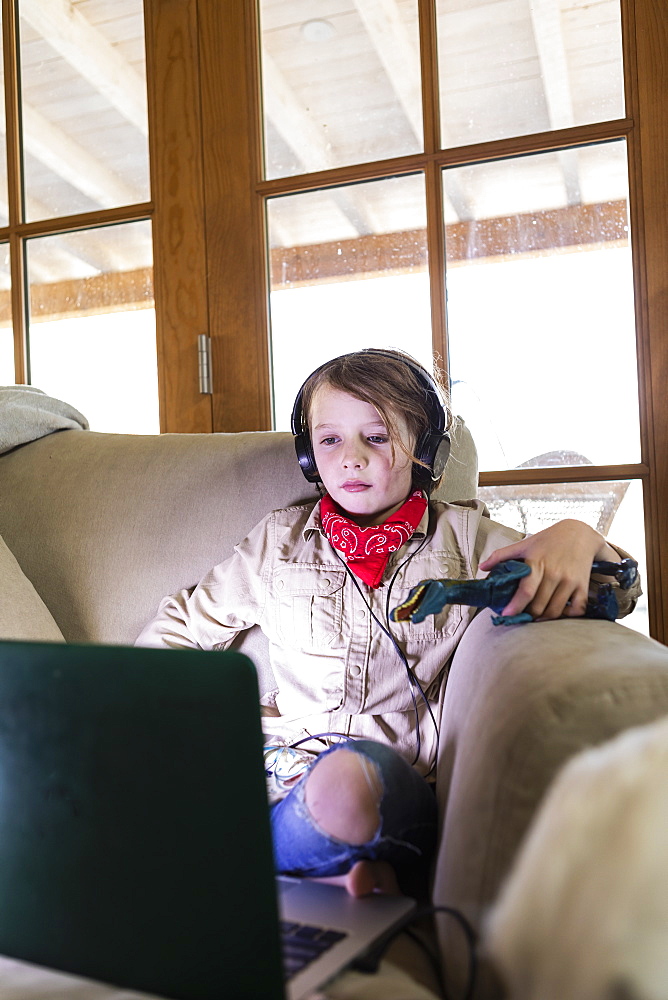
(302, 943)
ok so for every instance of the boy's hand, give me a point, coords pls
(560, 557)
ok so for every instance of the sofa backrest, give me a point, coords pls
(104, 525)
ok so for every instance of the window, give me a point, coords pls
(78, 316)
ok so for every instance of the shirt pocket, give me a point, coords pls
(442, 625)
(309, 607)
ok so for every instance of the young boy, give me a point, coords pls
(320, 580)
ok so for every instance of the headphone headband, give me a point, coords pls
(432, 448)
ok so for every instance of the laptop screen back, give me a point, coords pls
(134, 834)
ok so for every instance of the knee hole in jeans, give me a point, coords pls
(343, 792)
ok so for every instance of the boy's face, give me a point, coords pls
(353, 453)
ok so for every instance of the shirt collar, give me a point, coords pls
(423, 526)
(314, 523)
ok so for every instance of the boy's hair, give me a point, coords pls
(384, 379)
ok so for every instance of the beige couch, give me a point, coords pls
(98, 527)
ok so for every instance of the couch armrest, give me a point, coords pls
(520, 701)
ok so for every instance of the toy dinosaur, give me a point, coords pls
(497, 589)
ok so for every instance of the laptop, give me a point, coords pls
(135, 844)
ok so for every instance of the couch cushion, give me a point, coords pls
(107, 524)
(23, 613)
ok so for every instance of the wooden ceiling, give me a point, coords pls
(342, 85)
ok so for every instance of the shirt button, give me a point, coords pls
(280, 584)
(324, 583)
(355, 671)
(361, 615)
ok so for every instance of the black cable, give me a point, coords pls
(424, 541)
(370, 960)
(322, 736)
(409, 670)
(471, 941)
(385, 627)
(411, 676)
(433, 958)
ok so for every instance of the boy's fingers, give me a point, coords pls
(524, 594)
(577, 606)
(547, 598)
(512, 551)
(555, 605)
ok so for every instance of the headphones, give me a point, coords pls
(432, 447)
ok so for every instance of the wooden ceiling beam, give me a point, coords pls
(70, 161)
(306, 140)
(546, 21)
(290, 119)
(67, 159)
(66, 30)
(588, 227)
(398, 55)
(116, 291)
(585, 227)
(549, 38)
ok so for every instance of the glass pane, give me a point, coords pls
(83, 106)
(92, 325)
(348, 270)
(340, 83)
(519, 67)
(7, 373)
(540, 310)
(615, 509)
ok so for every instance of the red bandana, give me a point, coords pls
(368, 549)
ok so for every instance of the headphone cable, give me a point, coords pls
(412, 679)
(411, 673)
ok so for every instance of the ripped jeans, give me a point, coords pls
(406, 836)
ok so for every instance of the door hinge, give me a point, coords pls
(204, 362)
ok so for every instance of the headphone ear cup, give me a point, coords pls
(303, 446)
(306, 458)
(441, 457)
(433, 448)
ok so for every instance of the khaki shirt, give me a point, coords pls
(336, 669)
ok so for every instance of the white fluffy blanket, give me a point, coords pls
(584, 913)
(27, 413)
